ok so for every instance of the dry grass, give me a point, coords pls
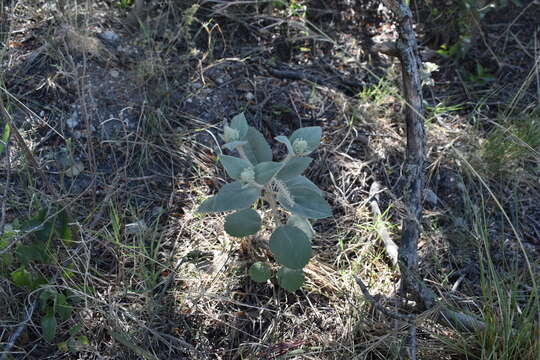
(149, 278)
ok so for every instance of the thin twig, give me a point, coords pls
(389, 245)
(13, 338)
(6, 189)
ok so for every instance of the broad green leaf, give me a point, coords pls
(257, 149)
(22, 278)
(312, 135)
(259, 272)
(233, 165)
(63, 229)
(290, 246)
(233, 196)
(5, 137)
(303, 224)
(294, 167)
(239, 123)
(307, 203)
(242, 223)
(36, 252)
(284, 140)
(265, 171)
(62, 308)
(7, 257)
(48, 327)
(301, 182)
(233, 144)
(290, 279)
(46, 299)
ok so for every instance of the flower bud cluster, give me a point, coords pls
(300, 147)
(247, 175)
(230, 134)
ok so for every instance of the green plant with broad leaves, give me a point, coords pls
(259, 180)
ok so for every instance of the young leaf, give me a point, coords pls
(239, 123)
(303, 224)
(265, 171)
(257, 149)
(233, 196)
(290, 246)
(284, 140)
(233, 165)
(312, 135)
(48, 326)
(22, 278)
(243, 223)
(290, 279)
(259, 272)
(294, 167)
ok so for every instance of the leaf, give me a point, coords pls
(62, 308)
(243, 223)
(284, 140)
(301, 182)
(290, 279)
(5, 240)
(63, 229)
(233, 144)
(48, 327)
(233, 165)
(312, 135)
(257, 149)
(36, 252)
(307, 203)
(303, 224)
(294, 167)
(259, 272)
(5, 137)
(265, 171)
(290, 246)
(239, 123)
(233, 196)
(22, 278)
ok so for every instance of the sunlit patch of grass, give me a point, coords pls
(509, 299)
(514, 144)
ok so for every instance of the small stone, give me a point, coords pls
(73, 121)
(249, 96)
(431, 197)
(114, 73)
(75, 169)
(109, 36)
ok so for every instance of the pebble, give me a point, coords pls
(114, 73)
(109, 35)
(73, 121)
